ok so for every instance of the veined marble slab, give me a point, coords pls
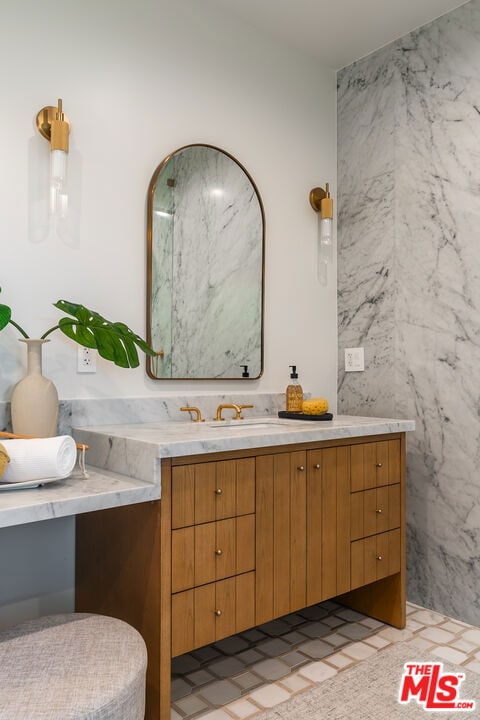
(111, 445)
(409, 290)
(100, 491)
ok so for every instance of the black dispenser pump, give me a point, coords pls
(294, 374)
(245, 371)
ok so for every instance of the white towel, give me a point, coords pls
(39, 459)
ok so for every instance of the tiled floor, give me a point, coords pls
(260, 668)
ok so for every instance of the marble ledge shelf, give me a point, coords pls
(100, 491)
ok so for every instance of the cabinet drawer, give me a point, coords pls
(375, 464)
(204, 492)
(205, 614)
(204, 553)
(375, 557)
(374, 511)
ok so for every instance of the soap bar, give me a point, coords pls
(4, 460)
(315, 406)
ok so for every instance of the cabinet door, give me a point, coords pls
(375, 464)
(303, 529)
(328, 523)
(280, 500)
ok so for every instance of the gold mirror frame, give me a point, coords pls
(150, 209)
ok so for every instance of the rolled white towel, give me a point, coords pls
(39, 459)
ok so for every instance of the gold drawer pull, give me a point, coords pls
(379, 557)
(379, 511)
(218, 552)
(219, 491)
(317, 466)
(301, 468)
(379, 465)
(218, 613)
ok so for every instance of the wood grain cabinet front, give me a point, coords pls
(375, 557)
(303, 529)
(375, 511)
(375, 464)
(204, 492)
(204, 553)
(211, 612)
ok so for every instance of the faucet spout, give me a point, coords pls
(225, 406)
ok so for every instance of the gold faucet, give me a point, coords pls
(237, 408)
(196, 410)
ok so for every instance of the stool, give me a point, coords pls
(76, 666)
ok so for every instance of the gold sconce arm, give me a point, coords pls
(54, 126)
(321, 201)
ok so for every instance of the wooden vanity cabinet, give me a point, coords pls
(213, 551)
(239, 539)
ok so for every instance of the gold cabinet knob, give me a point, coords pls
(379, 557)
(379, 511)
(317, 466)
(218, 491)
(301, 468)
(218, 613)
(379, 465)
(218, 552)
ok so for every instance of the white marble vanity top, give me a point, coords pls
(125, 460)
(178, 439)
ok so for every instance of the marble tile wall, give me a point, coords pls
(409, 284)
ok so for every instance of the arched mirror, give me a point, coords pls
(205, 268)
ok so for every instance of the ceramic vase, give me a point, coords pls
(34, 402)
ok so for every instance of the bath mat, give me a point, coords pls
(369, 691)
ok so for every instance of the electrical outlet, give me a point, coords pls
(86, 360)
(354, 360)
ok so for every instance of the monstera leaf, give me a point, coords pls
(113, 340)
(5, 315)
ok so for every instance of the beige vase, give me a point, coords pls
(35, 399)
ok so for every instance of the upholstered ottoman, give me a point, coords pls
(72, 667)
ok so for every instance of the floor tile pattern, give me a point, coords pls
(241, 676)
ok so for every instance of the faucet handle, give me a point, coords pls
(195, 410)
(242, 407)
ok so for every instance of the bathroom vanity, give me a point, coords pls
(255, 521)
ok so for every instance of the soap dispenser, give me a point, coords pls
(294, 394)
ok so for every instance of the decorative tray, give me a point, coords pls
(303, 416)
(27, 484)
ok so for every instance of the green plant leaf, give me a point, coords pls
(113, 340)
(5, 315)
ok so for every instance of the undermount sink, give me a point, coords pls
(246, 425)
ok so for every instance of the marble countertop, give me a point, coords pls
(125, 460)
(178, 439)
(101, 490)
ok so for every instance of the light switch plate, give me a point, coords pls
(354, 360)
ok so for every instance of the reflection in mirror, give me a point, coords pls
(205, 268)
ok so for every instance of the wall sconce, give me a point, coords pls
(53, 124)
(322, 203)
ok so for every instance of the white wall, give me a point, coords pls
(138, 80)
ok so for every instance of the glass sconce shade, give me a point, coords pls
(58, 184)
